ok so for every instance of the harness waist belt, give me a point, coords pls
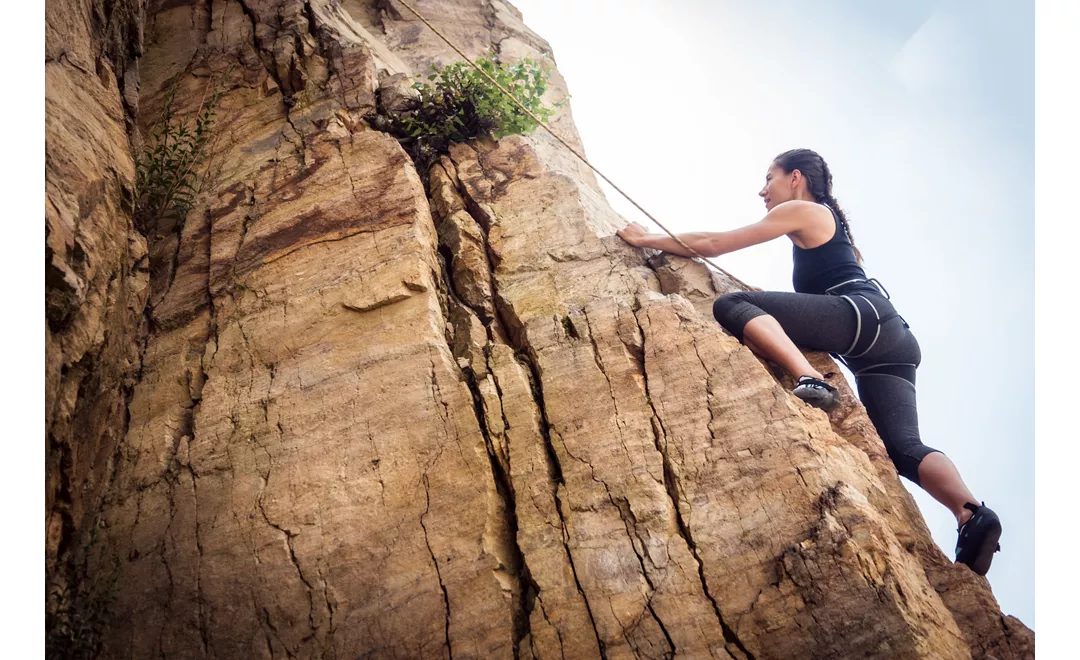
(838, 289)
(868, 319)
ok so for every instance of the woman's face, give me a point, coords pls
(778, 188)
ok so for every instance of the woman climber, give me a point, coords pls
(836, 309)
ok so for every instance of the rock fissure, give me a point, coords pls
(204, 617)
(528, 590)
(527, 356)
(566, 542)
(435, 563)
(348, 174)
(558, 633)
(622, 505)
(375, 463)
(446, 419)
(619, 424)
(321, 241)
(518, 568)
(289, 535)
(573, 570)
(326, 599)
(264, 57)
(671, 485)
(276, 635)
(524, 356)
(330, 49)
(162, 548)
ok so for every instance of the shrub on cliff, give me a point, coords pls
(461, 104)
(167, 167)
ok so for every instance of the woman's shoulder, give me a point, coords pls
(806, 209)
(811, 223)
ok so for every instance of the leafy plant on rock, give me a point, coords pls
(460, 104)
(167, 168)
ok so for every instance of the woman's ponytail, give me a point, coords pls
(831, 201)
(819, 180)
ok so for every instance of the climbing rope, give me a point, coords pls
(572, 150)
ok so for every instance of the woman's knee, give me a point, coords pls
(734, 310)
(888, 394)
(907, 462)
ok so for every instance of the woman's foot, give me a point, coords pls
(817, 393)
(977, 539)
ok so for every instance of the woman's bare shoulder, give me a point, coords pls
(809, 223)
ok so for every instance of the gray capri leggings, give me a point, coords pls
(878, 347)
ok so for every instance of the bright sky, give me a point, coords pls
(924, 110)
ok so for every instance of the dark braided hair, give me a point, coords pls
(819, 182)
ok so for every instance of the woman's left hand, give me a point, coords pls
(632, 234)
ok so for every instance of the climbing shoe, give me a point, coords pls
(817, 393)
(978, 538)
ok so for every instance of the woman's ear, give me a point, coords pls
(796, 177)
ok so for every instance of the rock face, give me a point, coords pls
(367, 420)
(96, 268)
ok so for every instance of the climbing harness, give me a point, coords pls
(873, 280)
(864, 309)
(572, 150)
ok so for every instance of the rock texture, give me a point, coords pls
(96, 269)
(374, 421)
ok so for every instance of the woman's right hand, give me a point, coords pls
(632, 233)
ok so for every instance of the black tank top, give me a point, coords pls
(817, 269)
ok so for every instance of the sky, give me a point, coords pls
(924, 111)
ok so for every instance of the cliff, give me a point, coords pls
(96, 265)
(330, 414)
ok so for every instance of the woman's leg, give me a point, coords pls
(774, 324)
(888, 393)
(939, 477)
(765, 337)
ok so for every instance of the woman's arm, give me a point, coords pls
(636, 235)
(780, 221)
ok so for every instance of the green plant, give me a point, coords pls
(167, 168)
(462, 104)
